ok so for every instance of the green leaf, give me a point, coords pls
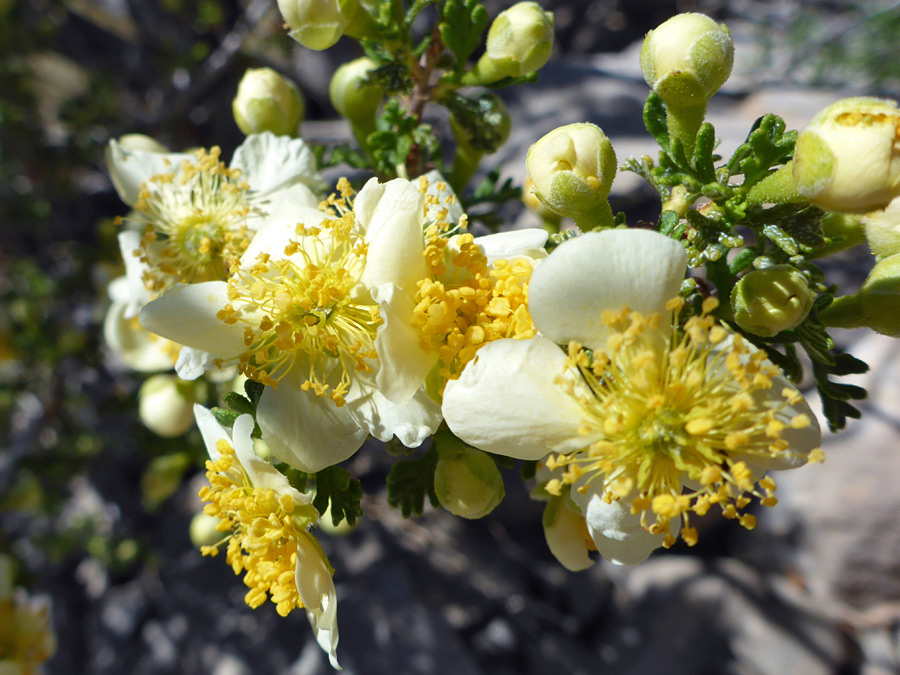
(336, 488)
(655, 120)
(254, 391)
(225, 417)
(410, 481)
(461, 26)
(702, 159)
(766, 146)
(239, 404)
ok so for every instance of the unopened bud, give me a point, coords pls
(166, 405)
(140, 142)
(317, 24)
(771, 300)
(162, 477)
(519, 42)
(267, 101)
(848, 158)
(203, 530)
(467, 481)
(572, 169)
(486, 130)
(687, 59)
(883, 230)
(354, 100)
(875, 306)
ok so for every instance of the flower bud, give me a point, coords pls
(883, 230)
(166, 405)
(352, 99)
(687, 59)
(519, 42)
(848, 158)
(572, 169)
(142, 143)
(204, 530)
(875, 306)
(489, 130)
(467, 481)
(771, 300)
(317, 24)
(267, 101)
(162, 477)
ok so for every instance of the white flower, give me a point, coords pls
(648, 422)
(266, 522)
(299, 315)
(197, 216)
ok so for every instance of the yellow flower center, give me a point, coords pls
(194, 222)
(690, 406)
(264, 530)
(308, 309)
(464, 303)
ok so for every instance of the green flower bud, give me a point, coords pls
(572, 169)
(326, 524)
(317, 24)
(848, 158)
(842, 231)
(486, 131)
(267, 101)
(519, 42)
(204, 530)
(882, 230)
(142, 143)
(467, 481)
(166, 405)
(162, 477)
(352, 99)
(875, 306)
(770, 300)
(687, 59)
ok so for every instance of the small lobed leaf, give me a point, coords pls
(335, 488)
(410, 481)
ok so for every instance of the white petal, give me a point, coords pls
(277, 230)
(597, 271)
(269, 163)
(365, 202)
(508, 401)
(564, 532)
(192, 363)
(308, 432)
(411, 421)
(282, 202)
(453, 205)
(617, 533)
(138, 348)
(395, 239)
(510, 245)
(211, 431)
(404, 364)
(128, 169)
(187, 315)
(316, 589)
(133, 291)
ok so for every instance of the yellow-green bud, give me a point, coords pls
(162, 477)
(848, 158)
(326, 524)
(359, 104)
(494, 124)
(204, 530)
(883, 230)
(687, 59)
(572, 169)
(519, 42)
(770, 300)
(875, 306)
(317, 24)
(842, 231)
(142, 143)
(467, 481)
(267, 101)
(166, 405)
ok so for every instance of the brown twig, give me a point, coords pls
(421, 95)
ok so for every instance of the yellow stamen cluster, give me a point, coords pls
(263, 531)
(308, 309)
(194, 221)
(26, 639)
(661, 409)
(460, 310)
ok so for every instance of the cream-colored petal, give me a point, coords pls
(128, 169)
(514, 244)
(317, 592)
(211, 431)
(193, 363)
(411, 422)
(564, 533)
(277, 230)
(394, 237)
(187, 315)
(598, 271)
(365, 202)
(132, 291)
(446, 199)
(509, 401)
(308, 432)
(617, 533)
(281, 202)
(270, 163)
(404, 364)
(138, 348)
